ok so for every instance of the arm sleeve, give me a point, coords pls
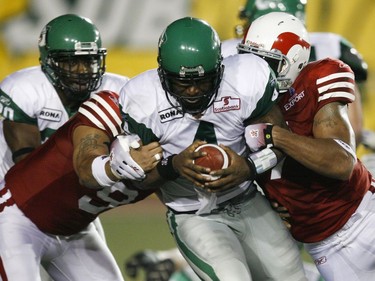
(102, 110)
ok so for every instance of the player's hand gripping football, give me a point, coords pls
(183, 163)
(218, 180)
(131, 160)
(237, 172)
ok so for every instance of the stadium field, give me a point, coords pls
(135, 227)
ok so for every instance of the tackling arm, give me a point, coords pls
(333, 140)
(92, 144)
(264, 125)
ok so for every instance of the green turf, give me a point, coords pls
(132, 228)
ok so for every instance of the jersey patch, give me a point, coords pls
(50, 114)
(169, 114)
(227, 104)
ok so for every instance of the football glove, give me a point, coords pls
(122, 164)
(259, 136)
(155, 269)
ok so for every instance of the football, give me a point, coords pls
(215, 159)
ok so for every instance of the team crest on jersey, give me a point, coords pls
(42, 38)
(227, 104)
(50, 114)
(170, 114)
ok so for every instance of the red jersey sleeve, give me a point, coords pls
(102, 110)
(334, 82)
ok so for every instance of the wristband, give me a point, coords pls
(99, 173)
(262, 160)
(22, 151)
(166, 170)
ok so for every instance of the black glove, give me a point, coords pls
(155, 269)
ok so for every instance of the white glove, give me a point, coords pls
(122, 164)
(259, 136)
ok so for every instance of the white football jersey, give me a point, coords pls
(246, 91)
(28, 96)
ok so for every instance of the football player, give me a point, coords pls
(36, 101)
(323, 44)
(328, 192)
(194, 97)
(49, 199)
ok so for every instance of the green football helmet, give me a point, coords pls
(190, 57)
(71, 55)
(254, 9)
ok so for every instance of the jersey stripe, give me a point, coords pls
(104, 117)
(335, 76)
(91, 117)
(336, 95)
(100, 110)
(108, 108)
(336, 85)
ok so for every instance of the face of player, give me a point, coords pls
(77, 73)
(191, 90)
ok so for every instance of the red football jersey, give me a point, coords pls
(45, 186)
(319, 206)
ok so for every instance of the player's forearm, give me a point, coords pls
(324, 156)
(95, 172)
(21, 138)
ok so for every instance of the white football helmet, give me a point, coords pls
(282, 40)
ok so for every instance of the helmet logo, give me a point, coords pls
(285, 41)
(42, 38)
(254, 44)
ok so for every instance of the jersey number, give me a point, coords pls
(86, 203)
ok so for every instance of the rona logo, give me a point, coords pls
(170, 114)
(50, 114)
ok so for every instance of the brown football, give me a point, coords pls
(215, 159)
